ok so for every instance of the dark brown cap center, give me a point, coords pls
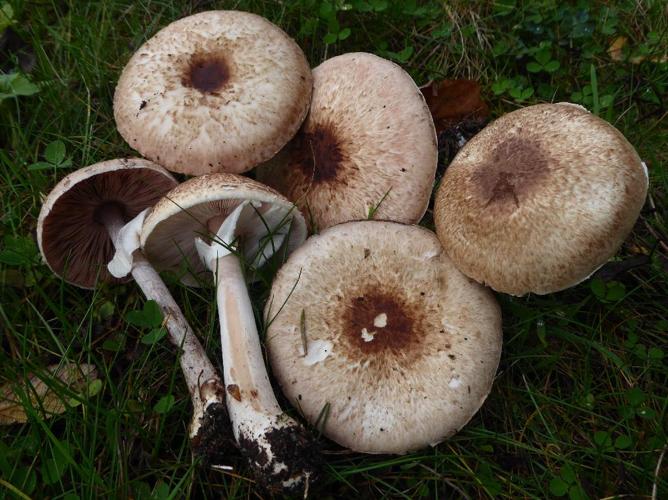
(515, 168)
(376, 321)
(206, 73)
(319, 154)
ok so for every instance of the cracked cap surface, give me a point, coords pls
(400, 344)
(218, 91)
(539, 199)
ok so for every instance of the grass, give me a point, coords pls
(579, 406)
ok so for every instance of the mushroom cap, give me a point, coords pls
(539, 199)
(73, 241)
(197, 208)
(369, 139)
(400, 344)
(215, 91)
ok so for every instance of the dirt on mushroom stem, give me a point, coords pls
(282, 453)
(210, 433)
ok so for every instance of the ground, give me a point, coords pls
(579, 405)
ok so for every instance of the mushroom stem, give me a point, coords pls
(277, 447)
(209, 425)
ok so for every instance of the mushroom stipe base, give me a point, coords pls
(291, 445)
(214, 438)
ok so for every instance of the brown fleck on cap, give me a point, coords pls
(72, 238)
(219, 91)
(400, 345)
(369, 140)
(197, 208)
(539, 199)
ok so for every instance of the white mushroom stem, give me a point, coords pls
(203, 382)
(262, 430)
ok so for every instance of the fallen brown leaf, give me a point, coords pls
(453, 101)
(77, 377)
(616, 47)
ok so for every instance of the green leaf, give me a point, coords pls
(607, 100)
(378, 5)
(615, 291)
(623, 442)
(635, 396)
(646, 413)
(53, 470)
(526, 93)
(552, 66)
(534, 67)
(164, 404)
(114, 344)
(404, 55)
(576, 492)
(6, 16)
(543, 57)
(558, 487)
(362, 6)
(330, 38)
(603, 440)
(326, 10)
(55, 152)
(149, 317)
(655, 353)
(567, 473)
(20, 85)
(598, 288)
(344, 33)
(154, 336)
(160, 491)
(445, 31)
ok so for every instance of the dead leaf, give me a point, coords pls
(77, 377)
(617, 46)
(453, 101)
(615, 49)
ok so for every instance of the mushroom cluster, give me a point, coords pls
(381, 333)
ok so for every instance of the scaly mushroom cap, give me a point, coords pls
(369, 139)
(216, 91)
(71, 236)
(539, 199)
(400, 346)
(197, 208)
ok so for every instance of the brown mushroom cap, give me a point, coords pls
(215, 91)
(400, 344)
(369, 139)
(539, 199)
(71, 236)
(197, 208)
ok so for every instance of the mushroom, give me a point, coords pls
(215, 91)
(223, 217)
(379, 340)
(81, 224)
(368, 146)
(539, 199)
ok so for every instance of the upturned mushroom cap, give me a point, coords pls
(398, 348)
(216, 91)
(539, 199)
(196, 209)
(368, 141)
(71, 233)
